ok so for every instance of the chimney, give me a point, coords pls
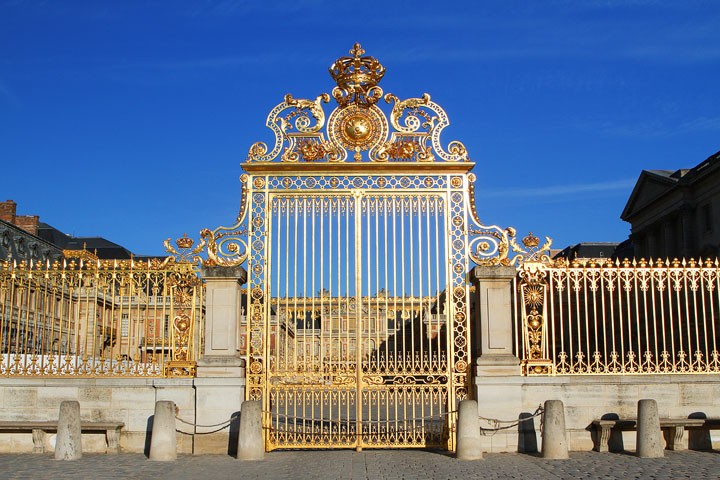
(29, 223)
(8, 209)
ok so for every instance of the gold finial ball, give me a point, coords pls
(357, 128)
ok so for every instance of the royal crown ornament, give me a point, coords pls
(357, 78)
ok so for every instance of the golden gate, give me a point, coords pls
(357, 231)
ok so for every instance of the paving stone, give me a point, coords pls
(369, 464)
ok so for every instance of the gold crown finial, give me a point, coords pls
(184, 241)
(531, 241)
(357, 75)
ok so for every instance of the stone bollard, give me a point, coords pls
(163, 442)
(68, 443)
(250, 434)
(554, 437)
(468, 432)
(649, 437)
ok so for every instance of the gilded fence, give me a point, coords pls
(612, 317)
(84, 317)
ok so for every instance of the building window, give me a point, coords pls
(125, 325)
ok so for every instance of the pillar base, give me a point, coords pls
(221, 366)
(496, 365)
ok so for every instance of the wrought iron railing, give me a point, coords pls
(612, 317)
(100, 318)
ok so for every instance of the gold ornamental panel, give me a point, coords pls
(357, 128)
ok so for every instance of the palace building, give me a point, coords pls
(676, 214)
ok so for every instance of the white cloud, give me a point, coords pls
(624, 185)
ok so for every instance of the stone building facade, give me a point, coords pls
(19, 238)
(676, 214)
(25, 237)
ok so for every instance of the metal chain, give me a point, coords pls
(222, 425)
(512, 423)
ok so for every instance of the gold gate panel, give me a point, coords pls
(357, 337)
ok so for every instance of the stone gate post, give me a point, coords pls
(493, 337)
(498, 378)
(220, 381)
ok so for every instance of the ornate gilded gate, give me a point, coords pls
(357, 311)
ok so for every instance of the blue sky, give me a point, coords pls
(130, 120)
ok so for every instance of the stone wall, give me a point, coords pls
(206, 402)
(128, 400)
(587, 398)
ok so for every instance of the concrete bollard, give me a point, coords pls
(163, 442)
(468, 432)
(554, 437)
(649, 436)
(68, 443)
(250, 434)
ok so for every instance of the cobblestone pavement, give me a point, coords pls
(372, 464)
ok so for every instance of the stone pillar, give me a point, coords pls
(220, 382)
(250, 437)
(649, 436)
(498, 379)
(651, 250)
(68, 443)
(554, 444)
(468, 432)
(668, 228)
(493, 323)
(689, 233)
(222, 316)
(163, 441)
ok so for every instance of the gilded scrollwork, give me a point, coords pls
(357, 124)
(493, 245)
(302, 108)
(227, 246)
(413, 115)
(487, 245)
(186, 251)
(291, 120)
(532, 290)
